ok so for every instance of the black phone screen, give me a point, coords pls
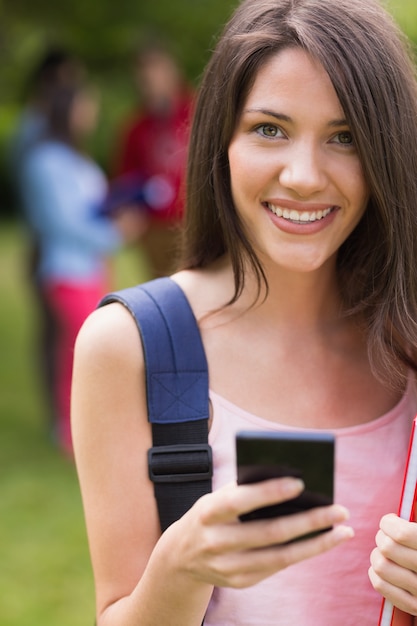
(310, 456)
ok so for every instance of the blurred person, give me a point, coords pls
(62, 189)
(57, 66)
(152, 150)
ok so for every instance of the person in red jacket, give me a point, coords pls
(152, 151)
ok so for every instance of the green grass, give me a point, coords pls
(45, 574)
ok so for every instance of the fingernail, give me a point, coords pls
(292, 485)
(339, 513)
(343, 532)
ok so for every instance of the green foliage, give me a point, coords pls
(104, 33)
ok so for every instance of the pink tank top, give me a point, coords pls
(332, 588)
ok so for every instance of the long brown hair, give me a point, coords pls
(370, 65)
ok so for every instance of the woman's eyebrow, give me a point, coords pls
(341, 122)
(278, 116)
(286, 118)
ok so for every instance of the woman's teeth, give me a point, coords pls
(298, 216)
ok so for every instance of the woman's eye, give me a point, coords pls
(344, 138)
(269, 130)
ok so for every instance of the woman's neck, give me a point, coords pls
(308, 300)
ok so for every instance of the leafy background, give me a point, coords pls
(45, 575)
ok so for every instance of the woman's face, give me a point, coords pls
(296, 178)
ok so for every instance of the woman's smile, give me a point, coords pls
(299, 217)
(296, 218)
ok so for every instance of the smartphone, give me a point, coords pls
(309, 456)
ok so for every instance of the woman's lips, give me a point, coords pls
(301, 219)
(299, 216)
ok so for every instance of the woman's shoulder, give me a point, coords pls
(110, 335)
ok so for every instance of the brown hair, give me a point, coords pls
(370, 65)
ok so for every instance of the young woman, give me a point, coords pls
(299, 265)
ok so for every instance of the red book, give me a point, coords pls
(391, 616)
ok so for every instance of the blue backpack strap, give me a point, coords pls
(180, 462)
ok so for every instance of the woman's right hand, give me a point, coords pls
(213, 546)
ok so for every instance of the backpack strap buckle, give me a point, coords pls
(180, 463)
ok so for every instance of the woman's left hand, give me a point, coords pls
(393, 571)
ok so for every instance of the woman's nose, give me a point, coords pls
(303, 171)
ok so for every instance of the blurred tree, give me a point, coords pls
(103, 32)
